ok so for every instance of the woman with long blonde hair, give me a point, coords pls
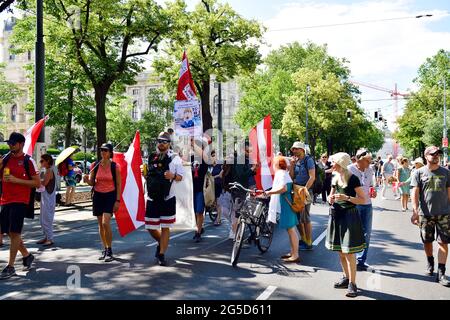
(345, 232)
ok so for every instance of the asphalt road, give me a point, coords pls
(70, 269)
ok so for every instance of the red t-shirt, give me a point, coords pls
(15, 193)
(104, 181)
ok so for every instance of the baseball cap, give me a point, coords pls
(14, 138)
(164, 136)
(418, 160)
(107, 146)
(433, 150)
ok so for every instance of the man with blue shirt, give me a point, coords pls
(365, 174)
(303, 172)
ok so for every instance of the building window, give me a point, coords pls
(13, 113)
(12, 56)
(134, 113)
(135, 92)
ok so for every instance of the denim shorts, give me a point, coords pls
(199, 203)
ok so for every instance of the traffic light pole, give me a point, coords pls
(39, 77)
(445, 140)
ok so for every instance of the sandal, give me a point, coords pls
(285, 256)
(291, 260)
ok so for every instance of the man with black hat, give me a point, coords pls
(16, 189)
(164, 168)
(431, 210)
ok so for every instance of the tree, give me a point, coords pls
(219, 42)
(104, 36)
(419, 124)
(8, 92)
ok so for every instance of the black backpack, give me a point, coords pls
(30, 208)
(158, 187)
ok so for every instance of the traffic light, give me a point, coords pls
(349, 115)
(385, 123)
(376, 116)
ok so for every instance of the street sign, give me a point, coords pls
(445, 142)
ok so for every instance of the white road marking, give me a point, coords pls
(320, 238)
(9, 295)
(171, 238)
(267, 293)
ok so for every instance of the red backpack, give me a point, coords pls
(63, 169)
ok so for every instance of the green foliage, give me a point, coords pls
(53, 151)
(79, 156)
(4, 149)
(422, 121)
(218, 41)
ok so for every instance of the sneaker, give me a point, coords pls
(305, 247)
(441, 279)
(102, 257)
(430, 269)
(352, 290)
(157, 251)
(231, 235)
(109, 255)
(197, 237)
(342, 284)
(362, 266)
(397, 198)
(27, 261)
(162, 260)
(8, 272)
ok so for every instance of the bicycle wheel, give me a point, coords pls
(212, 212)
(238, 240)
(264, 235)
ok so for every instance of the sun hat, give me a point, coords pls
(342, 159)
(298, 145)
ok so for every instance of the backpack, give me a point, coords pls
(29, 213)
(63, 168)
(209, 192)
(113, 172)
(300, 198)
(158, 187)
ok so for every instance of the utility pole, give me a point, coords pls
(306, 122)
(39, 72)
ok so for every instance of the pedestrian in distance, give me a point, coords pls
(431, 210)
(325, 165)
(19, 174)
(302, 170)
(105, 179)
(164, 169)
(345, 231)
(365, 174)
(387, 172)
(48, 199)
(280, 200)
(402, 175)
(215, 169)
(71, 182)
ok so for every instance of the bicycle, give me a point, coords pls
(252, 222)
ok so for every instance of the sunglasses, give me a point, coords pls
(437, 153)
(362, 155)
(162, 141)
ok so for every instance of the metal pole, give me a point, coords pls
(39, 67)
(219, 121)
(445, 126)
(306, 123)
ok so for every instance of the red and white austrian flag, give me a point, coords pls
(186, 87)
(131, 213)
(262, 153)
(32, 135)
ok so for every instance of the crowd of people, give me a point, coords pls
(348, 185)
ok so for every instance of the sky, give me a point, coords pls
(382, 53)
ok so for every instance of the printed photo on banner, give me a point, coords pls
(188, 118)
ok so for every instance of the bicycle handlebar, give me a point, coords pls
(240, 186)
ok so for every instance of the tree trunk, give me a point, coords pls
(101, 92)
(206, 108)
(330, 146)
(68, 131)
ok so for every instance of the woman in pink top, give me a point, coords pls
(105, 178)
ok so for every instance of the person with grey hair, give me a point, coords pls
(345, 231)
(364, 172)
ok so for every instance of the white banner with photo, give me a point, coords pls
(187, 117)
(185, 217)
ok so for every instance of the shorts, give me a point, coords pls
(70, 181)
(103, 203)
(199, 203)
(304, 216)
(430, 224)
(12, 217)
(160, 214)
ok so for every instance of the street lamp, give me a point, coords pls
(306, 123)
